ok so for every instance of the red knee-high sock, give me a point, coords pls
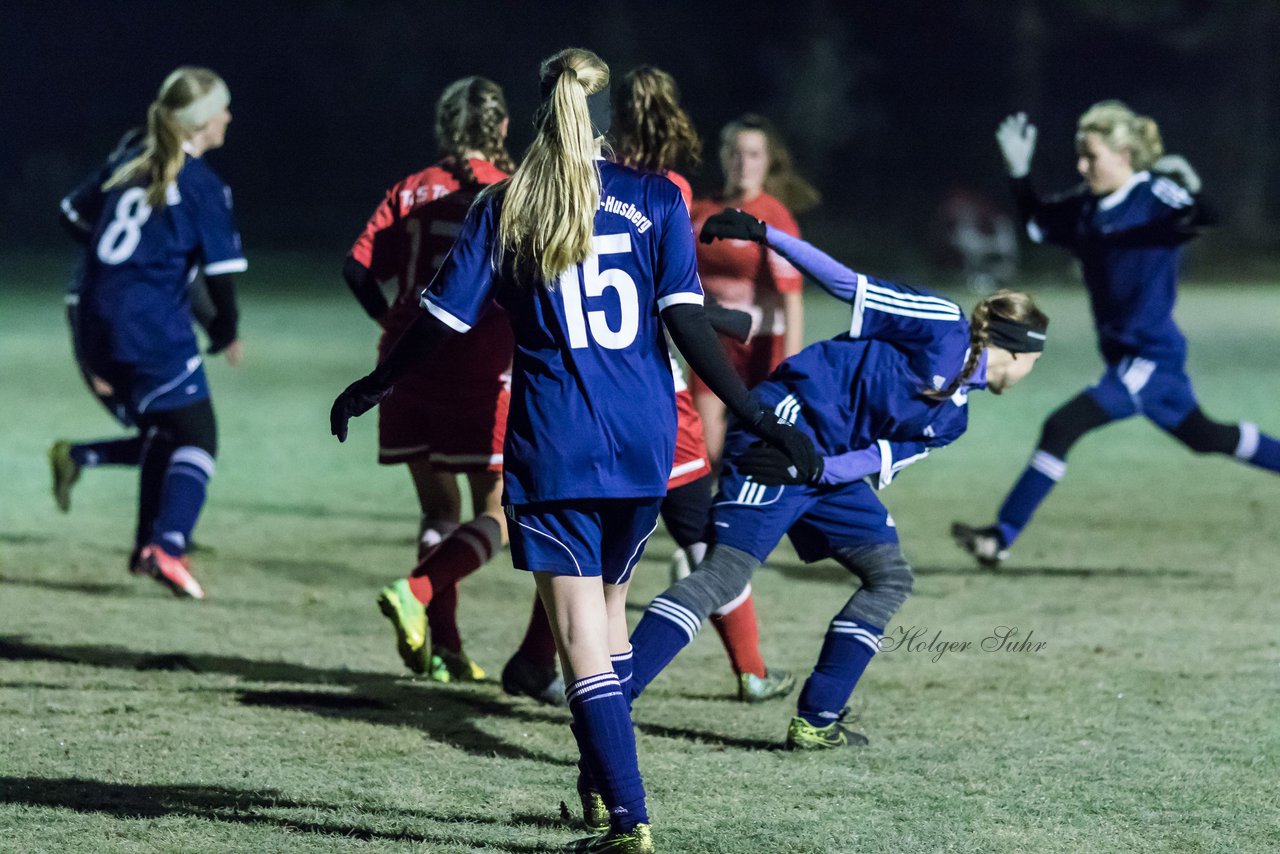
(442, 618)
(462, 553)
(539, 644)
(736, 625)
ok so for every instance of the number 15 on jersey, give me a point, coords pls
(581, 322)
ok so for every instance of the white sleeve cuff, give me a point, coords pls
(681, 298)
(444, 316)
(886, 452)
(221, 268)
(859, 306)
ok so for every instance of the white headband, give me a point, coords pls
(208, 105)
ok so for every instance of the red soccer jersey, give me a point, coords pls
(745, 275)
(685, 190)
(408, 237)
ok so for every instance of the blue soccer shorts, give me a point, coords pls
(753, 518)
(137, 389)
(1135, 385)
(587, 537)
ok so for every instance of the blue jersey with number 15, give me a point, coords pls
(133, 297)
(592, 401)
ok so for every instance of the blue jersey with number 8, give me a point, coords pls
(132, 289)
(592, 401)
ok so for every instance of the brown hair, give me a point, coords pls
(651, 130)
(549, 209)
(1120, 127)
(469, 117)
(1008, 305)
(781, 181)
(167, 128)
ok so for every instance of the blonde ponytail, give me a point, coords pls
(187, 99)
(550, 203)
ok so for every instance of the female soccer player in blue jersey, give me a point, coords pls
(1127, 225)
(153, 218)
(590, 259)
(874, 400)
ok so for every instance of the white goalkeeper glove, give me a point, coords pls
(1017, 139)
(1177, 167)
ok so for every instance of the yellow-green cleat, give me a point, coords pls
(595, 815)
(409, 619)
(637, 840)
(65, 472)
(802, 735)
(449, 666)
(756, 689)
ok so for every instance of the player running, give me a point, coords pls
(874, 400)
(653, 133)
(151, 219)
(1126, 225)
(739, 274)
(441, 423)
(590, 260)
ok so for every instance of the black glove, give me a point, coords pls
(356, 399)
(768, 465)
(732, 224)
(222, 333)
(798, 448)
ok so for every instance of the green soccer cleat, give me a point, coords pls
(449, 666)
(757, 689)
(409, 619)
(637, 840)
(65, 471)
(595, 815)
(802, 735)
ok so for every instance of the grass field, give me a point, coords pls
(275, 715)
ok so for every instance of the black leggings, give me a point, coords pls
(686, 511)
(1083, 414)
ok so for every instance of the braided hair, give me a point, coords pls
(1012, 306)
(470, 116)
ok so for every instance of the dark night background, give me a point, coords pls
(886, 105)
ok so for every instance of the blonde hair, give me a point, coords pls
(781, 181)
(1014, 306)
(469, 117)
(172, 118)
(551, 199)
(1120, 127)
(651, 130)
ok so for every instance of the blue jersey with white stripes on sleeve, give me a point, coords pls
(1129, 244)
(593, 411)
(132, 287)
(864, 388)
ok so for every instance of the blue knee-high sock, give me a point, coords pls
(846, 652)
(602, 724)
(185, 483)
(666, 628)
(623, 666)
(1041, 475)
(1257, 448)
(108, 452)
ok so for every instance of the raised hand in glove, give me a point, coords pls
(770, 466)
(802, 461)
(732, 224)
(356, 399)
(1017, 139)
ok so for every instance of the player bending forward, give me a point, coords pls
(873, 400)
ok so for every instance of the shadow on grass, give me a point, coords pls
(1062, 572)
(445, 713)
(317, 511)
(233, 806)
(66, 585)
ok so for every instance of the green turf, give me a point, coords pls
(274, 716)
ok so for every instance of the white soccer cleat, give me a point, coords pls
(983, 543)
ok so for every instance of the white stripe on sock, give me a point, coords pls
(673, 612)
(1048, 465)
(1249, 441)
